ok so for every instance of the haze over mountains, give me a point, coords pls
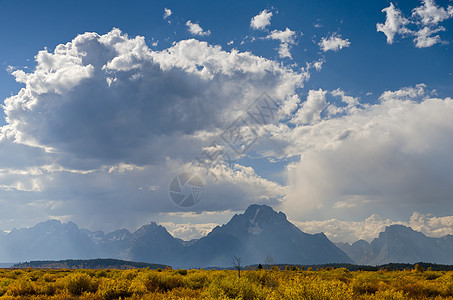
(253, 235)
(402, 244)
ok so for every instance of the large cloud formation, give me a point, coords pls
(103, 123)
(111, 98)
(391, 158)
(111, 122)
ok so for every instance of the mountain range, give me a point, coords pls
(401, 244)
(257, 234)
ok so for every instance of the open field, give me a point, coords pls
(224, 284)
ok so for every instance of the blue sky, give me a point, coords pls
(370, 66)
(364, 128)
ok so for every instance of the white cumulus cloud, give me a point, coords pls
(262, 20)
(167, 13)
(334, 42)
(195, 29)
(286, 38)
(422, 25)
(395, 153)
(425, 37)
(310, 112)
(417, 92)
(395, 23)
(431, 14)
(116, 121)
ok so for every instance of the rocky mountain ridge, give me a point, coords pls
(258, 233)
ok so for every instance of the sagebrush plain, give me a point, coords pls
(292, 283)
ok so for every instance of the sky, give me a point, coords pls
(105, 102)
